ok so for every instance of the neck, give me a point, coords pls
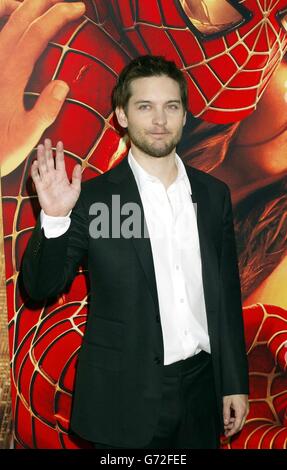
(164, 168)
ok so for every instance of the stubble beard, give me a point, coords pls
(153, 151)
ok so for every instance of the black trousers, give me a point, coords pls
(189, 415)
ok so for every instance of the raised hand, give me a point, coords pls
(57, 195)
(22, 40)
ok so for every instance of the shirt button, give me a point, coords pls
(177, 267)
(181, 301)
(185, 332)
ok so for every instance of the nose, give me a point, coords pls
(159, 117)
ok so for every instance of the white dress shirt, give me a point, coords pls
(171, 221)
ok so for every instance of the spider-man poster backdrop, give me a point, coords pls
(233, 54)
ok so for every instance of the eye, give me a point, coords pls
(211, 18)
(173, 106)
(143, 107)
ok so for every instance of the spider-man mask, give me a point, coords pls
(228, 49)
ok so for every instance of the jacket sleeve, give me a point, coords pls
(234, 364)
(50, 264)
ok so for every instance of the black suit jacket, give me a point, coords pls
(119, 375)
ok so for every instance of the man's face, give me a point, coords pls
(154, 116)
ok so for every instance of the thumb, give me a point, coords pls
(49, 103)
(77, 177)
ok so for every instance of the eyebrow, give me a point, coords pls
(148, 101)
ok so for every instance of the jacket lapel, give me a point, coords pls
(122, 175)
(209, 258)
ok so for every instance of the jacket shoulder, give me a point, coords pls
(209, 180)
(95, 184)
(99, 183)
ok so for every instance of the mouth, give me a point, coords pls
(159, 134)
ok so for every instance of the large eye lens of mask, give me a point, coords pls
(211, 16)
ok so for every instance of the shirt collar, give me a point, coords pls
(143, 177)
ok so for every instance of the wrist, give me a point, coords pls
(54, 217)
(57, 214)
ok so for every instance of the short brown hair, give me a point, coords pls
(146, 66)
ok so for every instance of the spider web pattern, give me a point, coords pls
(226, 75)
(89, 54)
(266, 345)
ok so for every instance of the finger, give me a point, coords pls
(237, 424)
(7, 7)
(49, 104)
(231, 422)
(40, 151)
(77, 177)
(35, 173)
(21, 19)
(229, 426)
(226, 412)
(39, 33)
(229, 430)
(41, 160)
(49, 154)
(60, 157)
(231, 419)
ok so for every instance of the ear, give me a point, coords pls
(184, 118)
(121, 117)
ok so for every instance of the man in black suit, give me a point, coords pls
(163, 361)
